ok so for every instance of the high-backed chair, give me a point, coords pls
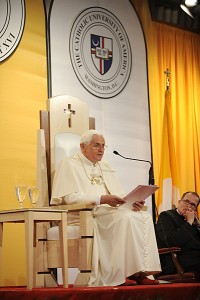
(61, 126)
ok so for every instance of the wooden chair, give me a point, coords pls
(61, 126)
(180, 276)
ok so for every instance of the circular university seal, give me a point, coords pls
(12, 19)
(100, 52)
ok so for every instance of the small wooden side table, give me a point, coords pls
(31, 216)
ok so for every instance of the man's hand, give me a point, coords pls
(189, 216)
(112, 200)
(137, 206)
(196, 221)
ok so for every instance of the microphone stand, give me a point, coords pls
(151, 181)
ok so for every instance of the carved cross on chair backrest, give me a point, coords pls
(69, 112)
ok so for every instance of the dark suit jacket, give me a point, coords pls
(173, 230)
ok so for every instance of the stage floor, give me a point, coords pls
(188, 291)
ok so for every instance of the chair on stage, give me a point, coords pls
(62, 124)
(180, 276)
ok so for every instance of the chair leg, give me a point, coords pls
(64, 248)
(44, 275)
(177, 264)
(86, 247)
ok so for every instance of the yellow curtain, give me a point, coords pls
(23, 93)
(178, 50)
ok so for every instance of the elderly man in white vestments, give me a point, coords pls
(124, 239)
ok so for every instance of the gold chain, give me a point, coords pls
(93, 180)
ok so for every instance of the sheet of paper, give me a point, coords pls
(140, 193)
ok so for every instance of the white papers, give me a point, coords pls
(140, 193)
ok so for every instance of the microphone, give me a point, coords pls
(136, 159)
(151, 176)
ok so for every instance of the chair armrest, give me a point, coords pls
(173, 251)
(169, 250)
(76, 207)
(80, 206)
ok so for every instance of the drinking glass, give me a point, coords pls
(21, 191)
(33, 193)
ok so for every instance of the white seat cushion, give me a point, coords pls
(72, 233)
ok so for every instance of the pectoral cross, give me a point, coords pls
(69, 113)
(167, 72)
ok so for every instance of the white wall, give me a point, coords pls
(123, 118)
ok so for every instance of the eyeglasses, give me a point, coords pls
(193, 205)
(98, 146)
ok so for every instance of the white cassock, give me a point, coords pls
(124, 240)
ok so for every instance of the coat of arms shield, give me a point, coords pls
(101, 52)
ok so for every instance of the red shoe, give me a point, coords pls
(129, 282)
(142, 279)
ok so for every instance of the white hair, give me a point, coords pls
(88, 135)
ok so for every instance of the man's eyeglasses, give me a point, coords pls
(98, 146)
(193, 205)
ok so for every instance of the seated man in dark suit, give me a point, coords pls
(180, 227)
